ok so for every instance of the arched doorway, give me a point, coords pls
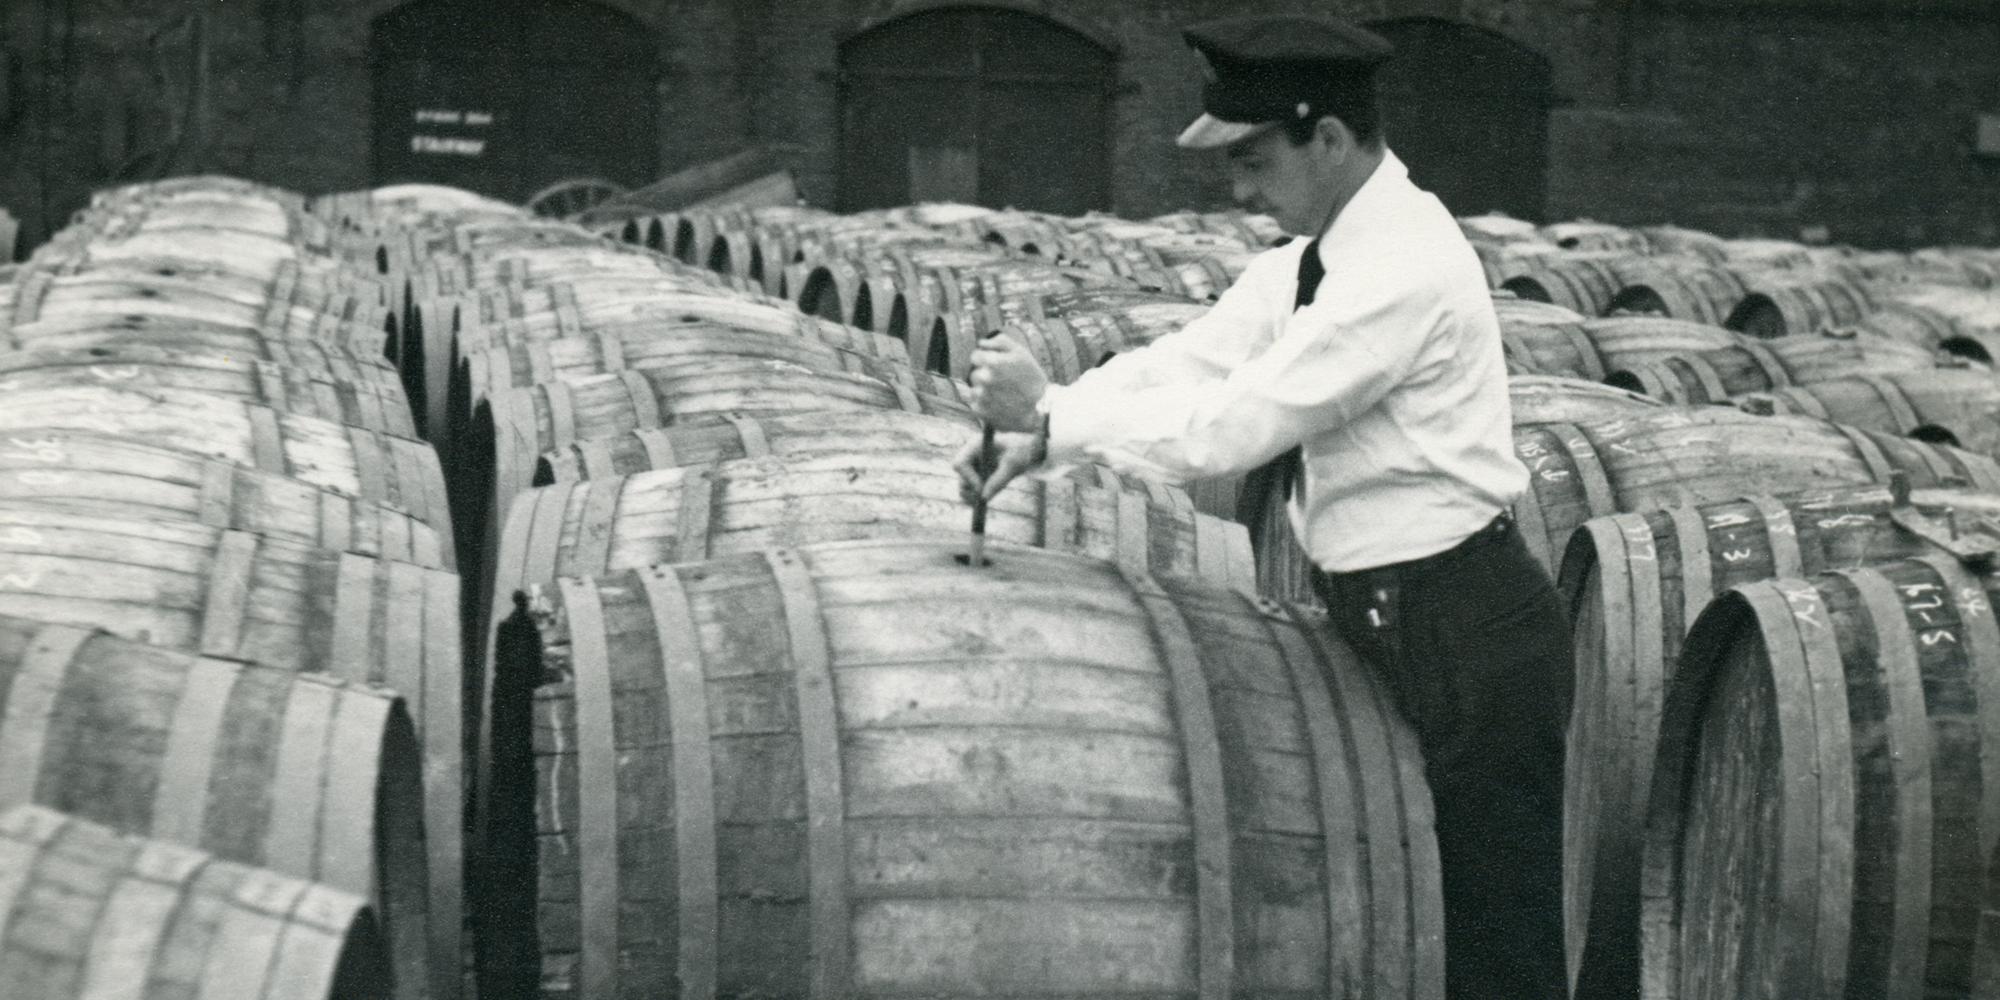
(505, 97)
(1468, 110)
(975, 104)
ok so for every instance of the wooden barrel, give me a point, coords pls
(1751, 365)
(1787, 305)
(580, 311)
(730, 436)
(1584, 234)
(513, 429)
(611, 349)
(324, 334)
(822, 434)
(1958, 321)
(1593, 348)
(88, 913)
(1817, 789)
(354, 461)
(701, 512)
(1062, 305)
(305, 776)
(1698, 292)
(1959, 407)
(358, 296)
(1069, 346)
(936, 780)
(1539, 338)
(111, 475)
(1583, 281)
(1653, 460)
(365, 395)
(1768, 255)
(264, 600)
(1548, 399)
(1683, 242)
(1634, 584)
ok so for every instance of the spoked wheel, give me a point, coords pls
(567, 198)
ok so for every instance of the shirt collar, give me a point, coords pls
(1376, 195)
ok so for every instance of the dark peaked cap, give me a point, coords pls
(1267, 68)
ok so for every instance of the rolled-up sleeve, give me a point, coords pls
(1334, 360)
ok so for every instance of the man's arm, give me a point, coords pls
(1336, 360)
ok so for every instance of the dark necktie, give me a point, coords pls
(1275, 478)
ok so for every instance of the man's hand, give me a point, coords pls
(1013, 454)
(1007, 382)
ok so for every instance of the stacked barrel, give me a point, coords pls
(228, 615)
(752, 723)
(1785, 655)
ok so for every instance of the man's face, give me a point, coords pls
(1293, 184)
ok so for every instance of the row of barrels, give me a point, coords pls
(230, 614)
(752, 727)
(1779, 776)
(1761, 286)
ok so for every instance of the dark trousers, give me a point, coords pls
(1474, 646)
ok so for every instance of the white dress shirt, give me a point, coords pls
(1392, 379)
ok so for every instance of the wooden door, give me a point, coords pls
(981, 105)
(1467, 110)
(505, 97)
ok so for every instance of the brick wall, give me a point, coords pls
(1742, 118)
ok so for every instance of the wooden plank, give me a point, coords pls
(1201, 748)
(830, 960)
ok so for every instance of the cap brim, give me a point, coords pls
(1210, 132)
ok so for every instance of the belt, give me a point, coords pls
(1493, 533)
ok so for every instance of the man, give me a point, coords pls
(1387, 375)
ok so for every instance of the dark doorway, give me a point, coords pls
(975, 104)
(1468, 111)
(505, 97)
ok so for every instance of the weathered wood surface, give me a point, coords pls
(511, 430)
(1553, 399)
(305, 776)
(635, 346)
(300, 333)
(87, 913)
(1674, 457)
(1790, 304)
(1819, 819)
(865, 770)
(1634, 584)
(263, 600)
(1954, 406)
(1713, 376)
(363, 395)
(354, 461)
(117, 477)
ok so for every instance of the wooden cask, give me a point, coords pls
(365, 396)
(1592, 348)
(1964, 322)
(639, 346)
(1655, 460)
(703, 512)
(359, 297)
(1539, 338)
(513, 429)
(1821, 811)
(1634, 584)
(86, 913)
(318, 334)
(117, 477)
(1959, 407)
(360, 463)
(1584, 234)
(1696, 291)
(864, 770)
(823, 434)
(1549, 399)
(245, 597)
(1790, 304)
(1579, 280)
(1751, 365)
(1071, 345)
(308, 777)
